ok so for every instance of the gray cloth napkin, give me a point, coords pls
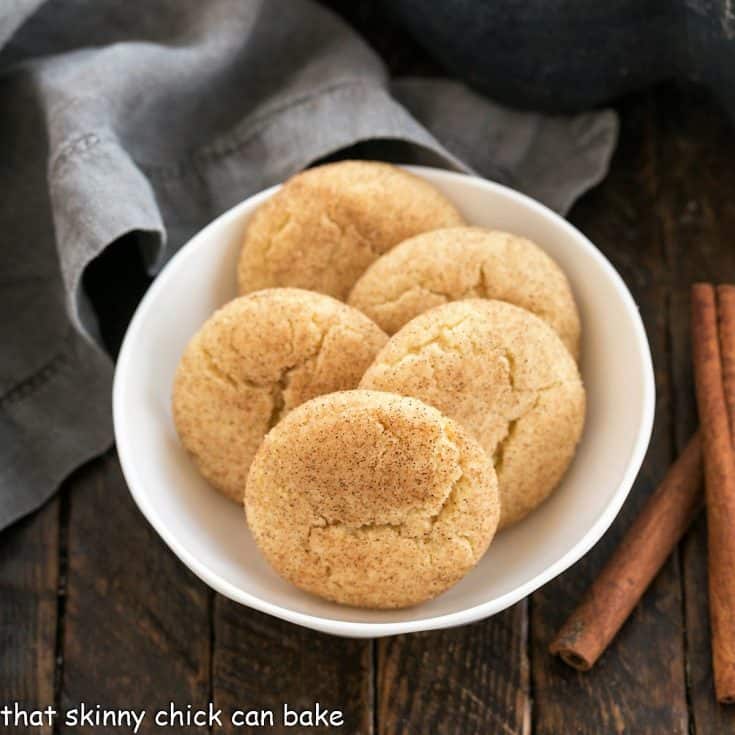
(152, 118)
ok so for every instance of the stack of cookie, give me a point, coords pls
(391, 388)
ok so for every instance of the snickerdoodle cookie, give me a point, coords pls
(505, 375)
(326, 225)
(371, 499)
(253, 361)
(461, 263)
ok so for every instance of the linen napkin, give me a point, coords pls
(153, 118)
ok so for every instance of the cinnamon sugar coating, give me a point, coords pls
(457, 263)
(326, 225)
(371, 499)
(252, 362)
(503, 374)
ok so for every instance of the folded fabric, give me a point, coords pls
(154, 118)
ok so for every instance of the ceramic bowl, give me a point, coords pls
(209, 533)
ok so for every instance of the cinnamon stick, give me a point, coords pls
(726, 310)
(670, 510)
(636, 561)
(719, 474)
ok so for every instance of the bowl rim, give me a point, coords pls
(377, 629)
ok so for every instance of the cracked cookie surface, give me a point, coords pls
(326, 225)
(505, 375)
(371, 499)
(252, 362)
(456, 263)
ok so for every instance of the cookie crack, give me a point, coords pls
(441, 340)
(431, 519)
(279, 407)
(510, 358)
(345, 232)
(218, 373)
(498, 455)
(477, 289)
(278, 387)
(344, 229)
(481, 285)
(416, 288)
(277, 232)
(278, 401)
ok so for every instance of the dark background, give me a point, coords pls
(94, 607)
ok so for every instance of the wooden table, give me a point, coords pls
(94, 607)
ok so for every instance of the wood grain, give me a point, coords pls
(261, 663)
(137, 628)
(639, 683)
(29, 566)
(697, 210)
(467, 680)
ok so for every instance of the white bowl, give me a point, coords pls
(208, 533)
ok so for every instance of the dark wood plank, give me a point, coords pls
(263, 663)
(468, 680)
(29, 566)
(697, 208)
(639, 683)
(137, 623)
